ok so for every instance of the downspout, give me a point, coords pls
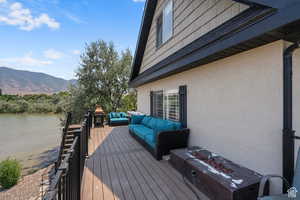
(288, 146)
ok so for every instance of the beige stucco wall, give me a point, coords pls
(192, 19)
(296, 96)
(235, 106)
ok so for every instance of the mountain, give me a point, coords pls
(25, 82)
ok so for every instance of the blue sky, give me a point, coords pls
(49, 35)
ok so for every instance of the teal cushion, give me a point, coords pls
(142, 131)
(133, 126)
(177, 125)
(164, 125)
(114, 115)
(118, 119)
(111, 115)
(136, 119)
(123, 115)
(150, 139)
(152, 122)
(146, 120)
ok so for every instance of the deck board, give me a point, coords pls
(120, 168)
(98, 186)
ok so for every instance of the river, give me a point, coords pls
(31, 138)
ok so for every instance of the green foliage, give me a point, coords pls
(10, 173)
(129, 102)
(36, 103)
(102, 79)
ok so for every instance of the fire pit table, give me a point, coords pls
(215, 176)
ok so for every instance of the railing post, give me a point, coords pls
(89, 121)
(81, 151)
(85, 137)
(70, 175)
(62, 183)
(86, 120)
(76, 173)
(59, 190)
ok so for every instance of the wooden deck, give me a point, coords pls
(120, 168)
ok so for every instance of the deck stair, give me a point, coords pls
(67, 139)
(67, 142)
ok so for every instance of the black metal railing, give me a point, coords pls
(66, 182)
(64, 135)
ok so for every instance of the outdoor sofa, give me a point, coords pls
(158, 136)
(118, 118)
(294, 189)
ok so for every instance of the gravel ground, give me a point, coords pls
(29, 187)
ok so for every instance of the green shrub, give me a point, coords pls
(10, 173)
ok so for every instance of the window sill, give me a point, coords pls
(163, 44)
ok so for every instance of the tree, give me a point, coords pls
(103, 78)
(129, 101)
(0, 92)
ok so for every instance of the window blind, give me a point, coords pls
(158, 105)
(166, 105)
(172, 107)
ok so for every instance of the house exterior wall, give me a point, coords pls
(235, 106)
(192, 19)
(296, 97)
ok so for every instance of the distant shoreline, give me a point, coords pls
(34, 103)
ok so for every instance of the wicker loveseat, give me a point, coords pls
(157, 135)
(118, 118)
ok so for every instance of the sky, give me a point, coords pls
(49, 35)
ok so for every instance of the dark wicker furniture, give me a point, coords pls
(164, 140)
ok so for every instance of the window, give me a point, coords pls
(166, 105)
(159, 31)
(158, 105)
(165, 24)
(171, 105)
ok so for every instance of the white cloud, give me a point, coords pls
(76, 52)
(139, 0)
(27, 60)
(2, 1)
(21, 17)
(53, 54)
(73, 18)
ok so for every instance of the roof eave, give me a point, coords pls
(149, 11)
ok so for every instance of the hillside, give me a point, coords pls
(24, 82)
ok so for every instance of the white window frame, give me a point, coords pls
(167, 95)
